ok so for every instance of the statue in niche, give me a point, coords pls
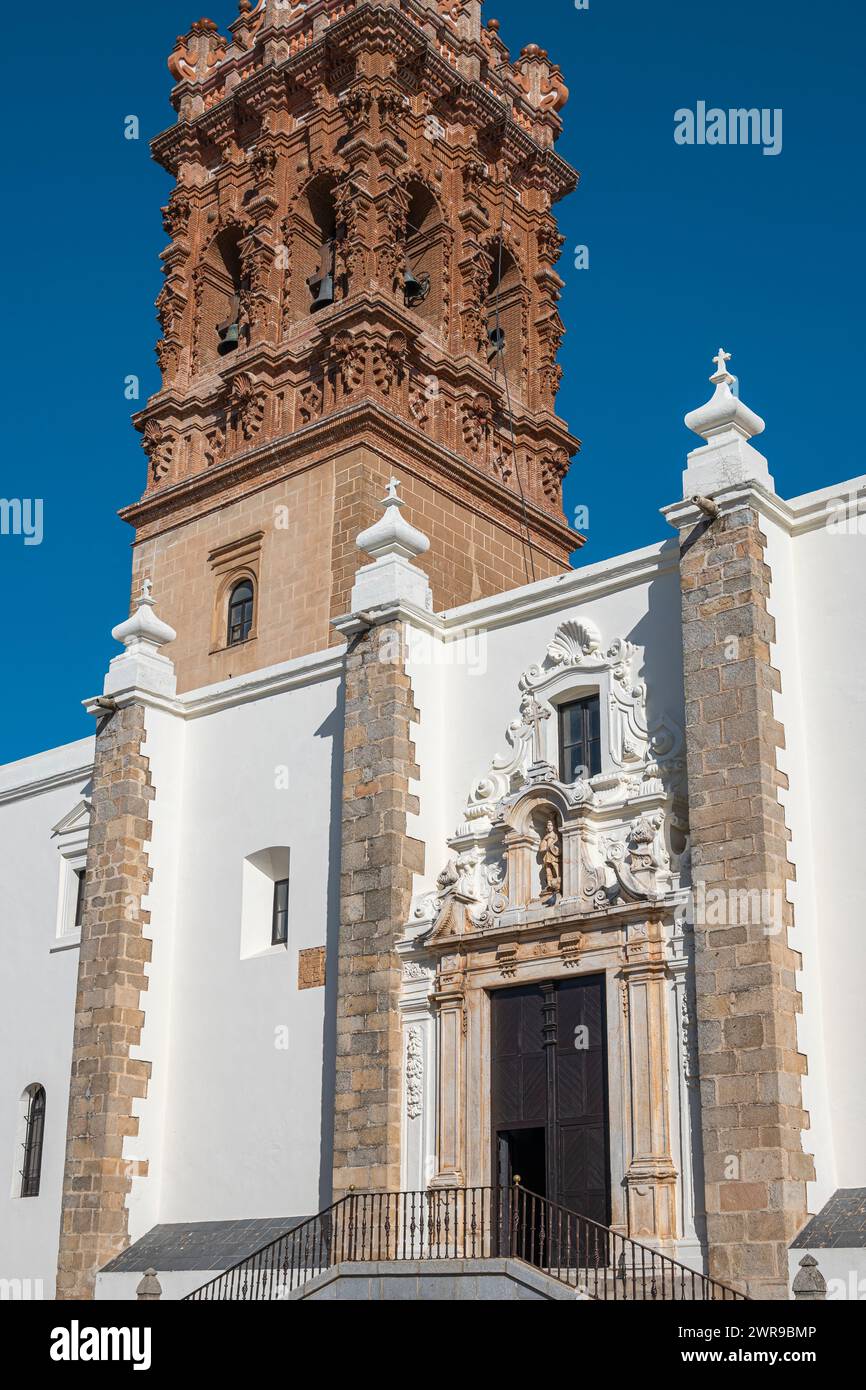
(550, 853)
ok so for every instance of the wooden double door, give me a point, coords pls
(549, 1107)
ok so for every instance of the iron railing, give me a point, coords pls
(597, 1260)
(463, 1223)
(441, 1224)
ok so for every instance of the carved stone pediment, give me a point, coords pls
(75, 822)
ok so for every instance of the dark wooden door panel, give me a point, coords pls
(561, 1087)
(581, 1076)
(534, 1090)
(518, 1066)
(507, 1089)
(583, 1171)
(519, 1091)
(517, 1022)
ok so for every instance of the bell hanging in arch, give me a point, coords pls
(230, 330)
(496, 337)
(415, 287)
(323, 286)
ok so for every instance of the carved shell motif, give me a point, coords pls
(574, 640)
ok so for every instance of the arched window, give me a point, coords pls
(31, 1168)
(240, 612)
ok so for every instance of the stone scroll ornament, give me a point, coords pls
(479, 885)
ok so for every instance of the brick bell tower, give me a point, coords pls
(360, 281)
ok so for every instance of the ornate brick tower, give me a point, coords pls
(360, 279)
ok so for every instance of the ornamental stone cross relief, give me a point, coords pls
(535, 714)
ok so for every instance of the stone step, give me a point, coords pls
(609, 1285)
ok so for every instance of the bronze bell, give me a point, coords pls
(230, 335)
(497, 342)
(230, 331)
(324, 291)
(415, 287)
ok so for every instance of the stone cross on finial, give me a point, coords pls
(147, 591)
(721, 373)
(391, 492)
(720, 359)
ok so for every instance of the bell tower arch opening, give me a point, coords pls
(503, 307)
(220, 329)
(315, 283)
(426, 238)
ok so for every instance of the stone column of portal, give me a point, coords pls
(450, 1137)
(106, 1080)
(379, 858)
(750, 1067)
(651, 1177)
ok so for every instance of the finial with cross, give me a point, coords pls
(721, 373)
(146, 591)
(391, 491)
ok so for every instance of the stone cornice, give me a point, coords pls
(350, 624)
(576, 586)
(535, 923)
(239, 690)
(36, 785)
(546, 596)
(267, 463)
(810, 512)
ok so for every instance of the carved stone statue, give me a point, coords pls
(551, 858)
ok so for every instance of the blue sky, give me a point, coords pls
(689, 248)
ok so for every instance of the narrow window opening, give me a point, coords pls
(580, 738)
(31, 1171)
(79, 897)
(280, 920)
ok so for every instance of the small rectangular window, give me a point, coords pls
(79, 897)
(280, 920)
(580, 738)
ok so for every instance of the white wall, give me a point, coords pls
(782, 555)
(831, 626)
(247, 1119)
(37, 1000)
